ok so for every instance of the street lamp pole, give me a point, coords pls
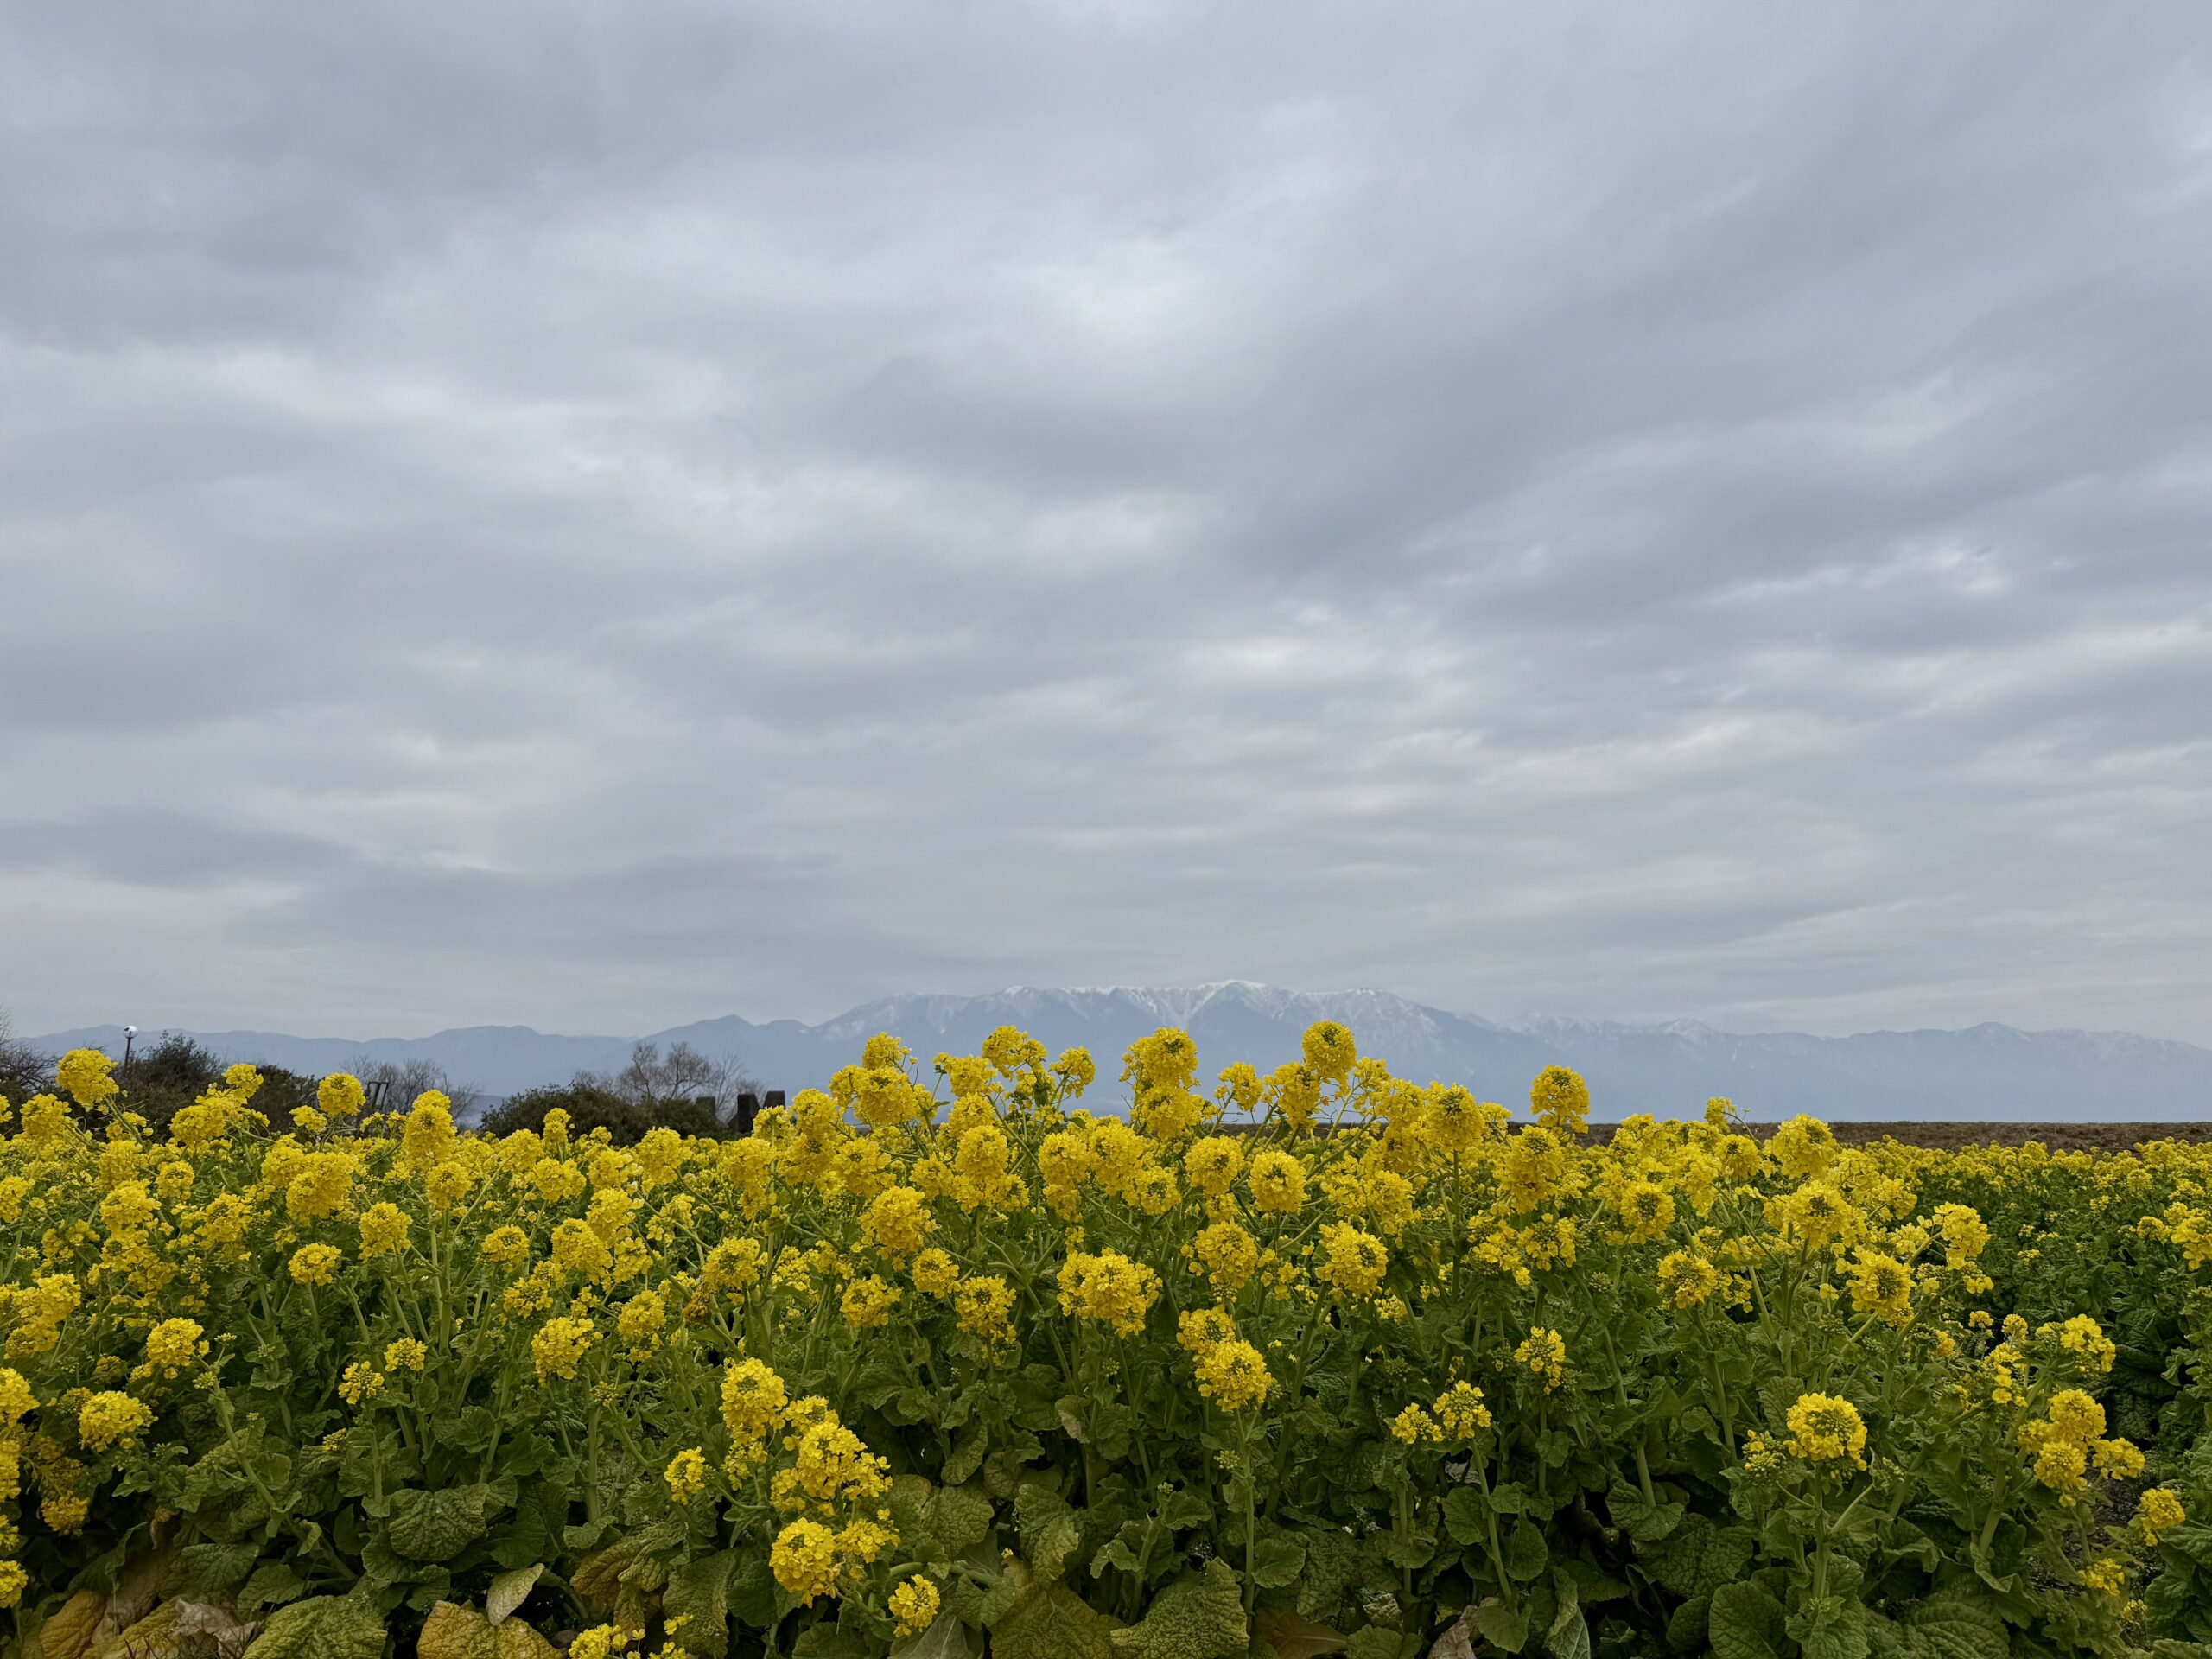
(130, 1035)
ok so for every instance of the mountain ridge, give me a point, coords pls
(1983, 1071)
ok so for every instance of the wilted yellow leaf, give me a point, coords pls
(456, 1632)
(152, 1638)
(508, 1591)
(519, 1641)
(67, 1632)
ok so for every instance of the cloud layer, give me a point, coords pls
(600, 516)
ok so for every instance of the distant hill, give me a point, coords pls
(1988, 1071)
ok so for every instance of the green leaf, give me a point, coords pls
(1182, 1508)
(1697, 1558)
(1068, 1410)
(1466, 1517)
(1277, 1561)
(983, 1598)
(1118, 1551)
(1050, 1621)
(1569, 1593)
(967, 1456)
(1569, 1636)
(881, 1378)
(1956, 1626)
(960, 1515)
(1412, 1551)
(1113, 1426)
(752, 1590)
(1828, 1627)
(527, 1539)
(1050, 1531)
(211, 1569)
(1743, 1622)
(1686, 1631)
(946, 1638)
(828, 1641)
(1375, 1642)
(432, 1590)
(1003, 1469)
(322, 1627)
(586, 1535)
(1526, 1557)
(1503, 1627)
(1332, 1559)
(2192, 1539)
(272, 1584)
(1592, 1584)
(1198, 1617)
(1293, 1636)
(1645, 1523)
(1364, 1468)
(699, 1590)
(437, 1526)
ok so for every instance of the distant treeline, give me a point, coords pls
(681, 1089)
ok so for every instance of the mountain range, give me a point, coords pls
(1986, 1072)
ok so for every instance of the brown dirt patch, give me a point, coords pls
(1950, 1137)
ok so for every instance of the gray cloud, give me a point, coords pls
(599, 521)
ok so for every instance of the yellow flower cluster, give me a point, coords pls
(913, 1605)
(1109, 1287)
(1459, 1415)
(1825, 1429)
(1544, 1352)
(2068, 1440)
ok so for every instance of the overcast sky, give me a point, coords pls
(599, 516)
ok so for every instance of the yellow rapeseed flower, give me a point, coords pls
(1234, 1376)
(315, 1264)
(686, 1474)
(83, 1073)
(560, 1345)
(913, 1605)
(1544, 1352)
(107, 1418)
(1825, 1429)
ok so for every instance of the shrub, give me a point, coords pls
(167, 1076)
(592, 1108)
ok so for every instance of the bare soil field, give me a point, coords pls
(2059, 1137)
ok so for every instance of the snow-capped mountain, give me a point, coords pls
(1988, 1071)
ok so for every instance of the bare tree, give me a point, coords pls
(682, 1073)
(731, 1079)
(24, 1069)
(395, 1084)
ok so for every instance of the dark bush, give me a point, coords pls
(167, 1076)
(591, 1108)
(283, 1092)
